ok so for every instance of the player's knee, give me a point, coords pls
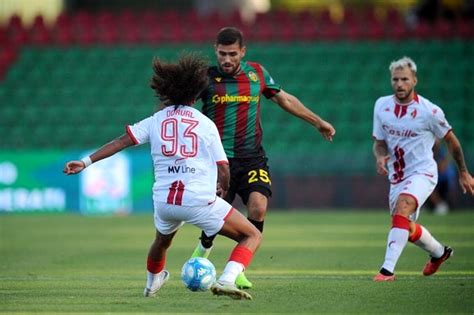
(405, 206)
(257, 212)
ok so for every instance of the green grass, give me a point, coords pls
(309, 262)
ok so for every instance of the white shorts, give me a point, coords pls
(210, 218)
(418, 186)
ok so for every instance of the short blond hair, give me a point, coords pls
(403, 63)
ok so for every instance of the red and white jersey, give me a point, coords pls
(410, 131)
(185, 148)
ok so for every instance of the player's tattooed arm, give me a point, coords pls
(455, 149)
(380, 151)
(465, 179)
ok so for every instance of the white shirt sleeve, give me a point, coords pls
(215, 146)
(140, 131)
(377, 131)
(438, 123)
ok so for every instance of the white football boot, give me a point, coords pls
(229, 289)
(158, 282)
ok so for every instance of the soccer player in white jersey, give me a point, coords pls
(405, 127)
(188, 160)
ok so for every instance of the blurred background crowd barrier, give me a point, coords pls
(74, 73)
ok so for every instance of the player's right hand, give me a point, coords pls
(73, 167)
(467, 183)
(326, 130)
(381, 165)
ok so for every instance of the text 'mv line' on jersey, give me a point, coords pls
(233, 103)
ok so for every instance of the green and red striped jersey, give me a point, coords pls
(233, 103)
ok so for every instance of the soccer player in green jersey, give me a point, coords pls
(232, 101)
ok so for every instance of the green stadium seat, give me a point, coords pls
(51, 88)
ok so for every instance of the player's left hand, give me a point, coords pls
(73, 167)
(220, 192)
(326, 130)
(467, 183)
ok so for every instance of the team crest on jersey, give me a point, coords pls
(253, 76)
(413, 113)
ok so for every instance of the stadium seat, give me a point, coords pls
(340, 80)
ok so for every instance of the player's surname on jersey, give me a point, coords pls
(180, 112)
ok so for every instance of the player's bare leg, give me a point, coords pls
(256, 208)
(156, 275)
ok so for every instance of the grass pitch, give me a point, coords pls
(309, 262)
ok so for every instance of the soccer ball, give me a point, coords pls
(198, 274)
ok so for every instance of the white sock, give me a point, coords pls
(150, 278)
(428, 243)
(231, 271)
(396, 242)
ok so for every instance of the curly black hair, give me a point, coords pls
(180, 83)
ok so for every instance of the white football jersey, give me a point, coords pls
(410, 131)
(185, 148)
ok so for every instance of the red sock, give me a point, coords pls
(417, 234)
(401, 222)
(155, 266)
(241, 254)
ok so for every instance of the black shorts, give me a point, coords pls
(248, 175)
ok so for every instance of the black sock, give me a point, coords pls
(206, 241)
(258, 224)
(385, 272)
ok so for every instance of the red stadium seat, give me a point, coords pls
(394, 17)
(423, 30)
(131, 33)
(3, 37)
(464, 29)
(330, 32)
(397, 31)
(127, 26)
(39, 34)
(308, 31)
(443, 29)
(8, 54)
(17, 35)
(85, 36)
(324, 17)
(353, 31)
(374, 31)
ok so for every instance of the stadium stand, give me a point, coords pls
(87, 76)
